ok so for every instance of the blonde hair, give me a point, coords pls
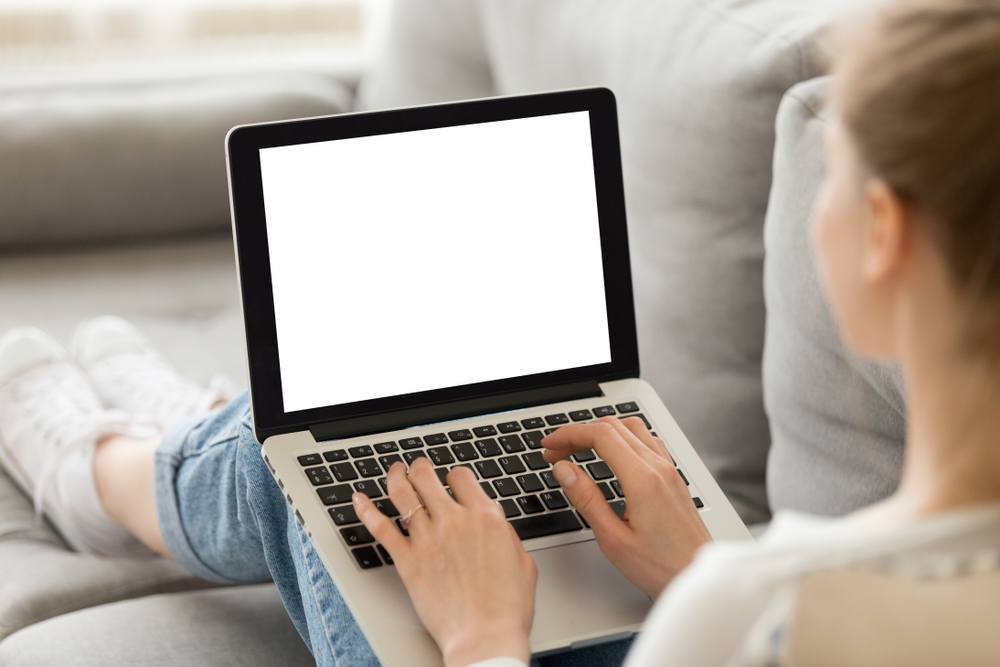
(918, 91)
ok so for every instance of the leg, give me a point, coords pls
(204, 496)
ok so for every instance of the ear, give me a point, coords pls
(886, 232)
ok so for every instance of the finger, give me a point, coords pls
(638, 428)
(604, 438)
(589, 501)
(467, 490)
(429, 487)
(630, 439)
(403, 495)
(382, 528)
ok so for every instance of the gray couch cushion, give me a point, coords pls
(42, 578)
(183, 293)
(837, 422)
(133, 159)
(242, 627)
(698, 83)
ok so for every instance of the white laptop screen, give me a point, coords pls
(421, 260)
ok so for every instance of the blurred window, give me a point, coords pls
(36, 35)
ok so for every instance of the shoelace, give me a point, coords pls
(150, 381)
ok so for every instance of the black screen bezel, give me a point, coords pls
(243, 152)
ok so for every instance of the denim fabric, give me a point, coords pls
(224, 519)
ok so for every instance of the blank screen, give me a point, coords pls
(434, 258)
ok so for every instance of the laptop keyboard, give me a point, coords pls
(505, 456)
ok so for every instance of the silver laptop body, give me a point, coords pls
(449, 281)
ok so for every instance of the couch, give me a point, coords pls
(113, 200)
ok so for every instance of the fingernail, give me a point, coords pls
(565, 473)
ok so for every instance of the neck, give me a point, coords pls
(952, 457)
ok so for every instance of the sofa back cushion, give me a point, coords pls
(123, 160)
(837, 421)
(698, 84)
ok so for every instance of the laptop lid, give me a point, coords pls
(412, 265)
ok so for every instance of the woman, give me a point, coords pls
(907, 234)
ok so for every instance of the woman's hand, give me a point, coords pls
(662, 530)
(471, 581)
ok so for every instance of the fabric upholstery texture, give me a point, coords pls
(134, 159)
(698, 84)
(244, 626)
(829, 410)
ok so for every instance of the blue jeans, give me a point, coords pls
(224, 519)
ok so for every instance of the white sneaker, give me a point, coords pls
(50, 421)
(131, 375)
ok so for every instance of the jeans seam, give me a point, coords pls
(306, 547)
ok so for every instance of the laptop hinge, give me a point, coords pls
(390, 421)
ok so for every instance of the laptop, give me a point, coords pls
(448, 281)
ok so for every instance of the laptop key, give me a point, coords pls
(533, 439)
(509, 427)
(386, 507)
(436, 439)
(343, 515)
(488, 469)
(506, 487)
(344, 472)
(319, 476)
(464, 451)
(484, 431)
(361, 451)
(644, 421)
(335, 456)
(334, 495)
(606, 490)
(368, 467)
(533, 422)
(366, 557)
(509, 508)
(411, 443)
(356, 535)
(310, 460)
(557, 419)
(600, 470)
(369, 488)
(511, 465)
(625, 408)
(530, 483)
(579, 415)
(530, 504)
(489, 447)
(385, 447)
(549, 479)
(388, 460)
(412, 456)
(384, 484)
(535, 460)
(546, 524)
(442, 474)
(461, 434)
(604, 411)
(402, 528)
(550, 431)
(440, 456)
(488, 490)
(554, 500)
(619, 507)
(684, 477)
(512, 443)
(384, 553)
(584, 456)
(698, 502)
(617, 486)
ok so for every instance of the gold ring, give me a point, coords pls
(405, 520)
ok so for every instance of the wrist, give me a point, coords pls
(496, 642)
